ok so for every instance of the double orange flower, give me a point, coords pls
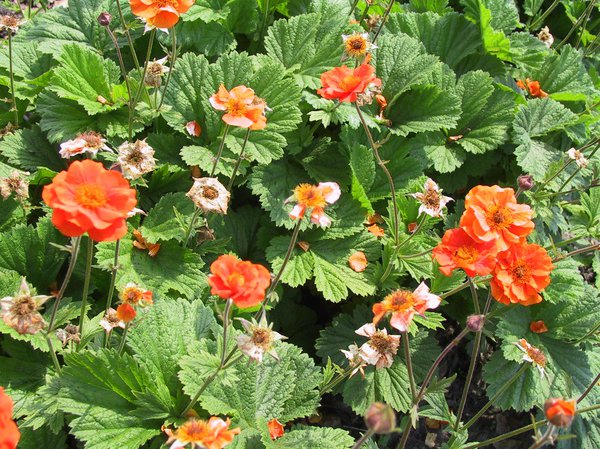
(162, 14)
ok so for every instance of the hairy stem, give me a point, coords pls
(113, 38)
(362, 440)
(86, 287)
(409, 366)
(12, 79)
(124, 339)
(239, 161)
(383, 20)
(173, 59)
(589, 388)
(219, 152)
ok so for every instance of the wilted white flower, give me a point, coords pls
(545, 36)
(209, 195)
(578, 157)
(15, 183)
(355, 359)
(21, 311)
(136, 159)
(357, 45)
(69, 333)
(10, 23)
(431, 199)
(532, 355)
(89, 142)
(111, 321)
(381, 347)
(155, 71)
(258, 339)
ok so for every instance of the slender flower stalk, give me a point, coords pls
(12, 79)
(409, 366)
(374, 147)
(383, 20)
(125, 26)
(388, 269)
(173, 59)
(141, 87)
(363, 439)
(219, 152)
(586, 249)
(589, 388)
(545, 14)
(86, 287)
(353, 8)
(545, 438)
(124, 338)
(111, 288)
(239, 161)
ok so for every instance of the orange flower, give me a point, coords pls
(160, 13)
(538, 327)
(89, 198)
(532, 87)
(533, 355)
(344, 83)
(376, 230)
(136, 296)
(275, 429)
(141, 243)
(403, 305)
(560, 412)
(358, 261)
(493, 214)
(240, 280)
(458, 250)
(211, 434)
(308, 196)
(521, 273)
(126, 313)
(9, 432)
(244, 109)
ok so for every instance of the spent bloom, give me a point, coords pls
(521, 273)
(89, 198)
(161, 14)
(276, 429)
(403, 304)
(381, 347)
(532, 87)
(243, 108)
(193, 128)
(316, 198)
(21, 312)
(89, 142)
(546, 37)
(493, 214)
(199, 434)
(431, 199)
(209, 195)
(345, 84)
(68, 334)
(578, 157)
(155, 71)
(141, 243)
(9, 22)
(242, 281)
(258, 340)
(111, 321)
(355, 359)
(538, 327)
(133, 295)
(560, 412)
(532, 355)
(136, 159)
(9, 432)
(16, 183)
(358, 261)
(357, 45)
(458, 250)
(380, 418)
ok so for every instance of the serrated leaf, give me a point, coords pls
(301, 437)
(162, 222)
(494, 41)
(44, 437)
(28, 149)
(566, 282)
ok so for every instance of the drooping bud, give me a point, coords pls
(104, 19)
(560, 412)
(475, 322)
(380, 418)
(525, 182)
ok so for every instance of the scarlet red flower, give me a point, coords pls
(458, 250)
(532, 87)
(493, 214)
(344, 83)
(126, 313)
(244, 109)
(521, 273)
(160, 13)
(275, 429)
(560, 412)
(89, 198)
(538, 327)
(9, 432)
(242, 281)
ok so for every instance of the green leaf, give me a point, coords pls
(210, 39)
(44, 437)
(566, 282)
(494, 42)
(162, 222)
(28, 149)
(301, 437)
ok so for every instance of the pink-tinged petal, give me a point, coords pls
(331, 191)
(241, 122)
(366, 330)
(297, 212)
(178, 444)
(215, 103)
(318, 217)
(401, 320)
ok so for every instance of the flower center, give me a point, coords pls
(23, 306)
(356, 45)
(192, 431)
(466, 254)
(210, 193)
(537, 356)
(236, 280)
(163, 3)
(349, 83)
(520, 271)
(92, 139)
(90, 195)
(132, 295)
(262, 338)
(309, 196)
(236, 107)
(401, 300)
(382, 343)
(498, 218)
(431, 199)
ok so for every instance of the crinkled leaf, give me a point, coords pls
(28, 149)
(162, 222)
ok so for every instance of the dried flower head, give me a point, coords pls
(155, 71)
(89, 142)
(545, 36)
(258, 340)
(10, 23)
(532, 355)
(373, 21)
(431, 199)
(538, 327)
(133, 295)
(69, 333)
(371, 93)
(578, 157)
(200, 434)
(136, 159)
(209, 195)
(357, 45)
(381, 347)
(21, 312)
(355, 359)
(16, 183)
(111, 321)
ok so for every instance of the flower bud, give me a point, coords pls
(525, 182)
(560, 412)
(475, 322)
(104, 19)
(380, 418)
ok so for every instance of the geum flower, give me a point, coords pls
(560, 412)
(244, 109)
(345, 84)
(381, 347)
(133, 295)
(9, 432)
(200, 434)
(276, 429)
(258, 340)
(89, 198)
(85, 143)
(458, 250)
(403, 304)
(242, 281)
(532, 87)
(431, 199)
(532, 355)
(355, 359)
(162, 14)
(21, 312)
(136, 159)
(521, 273)
(209, 195)
(493, 214)
(357, 45)
(316, 198)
